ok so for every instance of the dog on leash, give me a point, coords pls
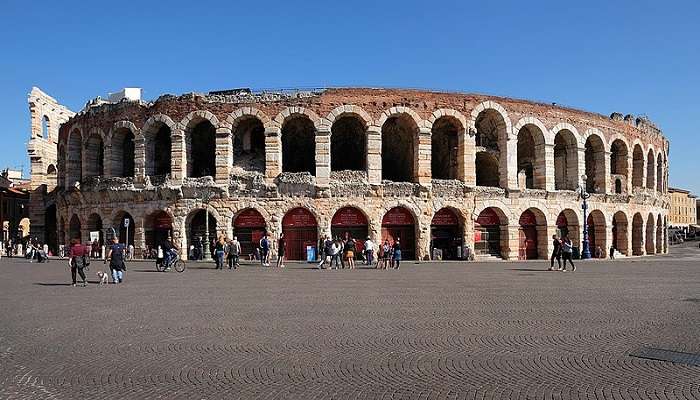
(103, 277)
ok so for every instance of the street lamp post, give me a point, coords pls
(206, 196)
(586, 251)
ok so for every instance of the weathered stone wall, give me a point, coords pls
(273, 193)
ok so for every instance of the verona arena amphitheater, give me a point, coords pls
(439, 170)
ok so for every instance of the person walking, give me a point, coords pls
(396, 253)
(336, 252)
(219, 250)
(612, 252)
(567, 251)
(116, 256)
(281, 250)
(350, 249)
(369, 251)
(556, 254)
(234, 253)
(326, 251)
(264, 250)
(77, 261)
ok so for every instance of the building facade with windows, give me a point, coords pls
(683, 213)
(438, 170)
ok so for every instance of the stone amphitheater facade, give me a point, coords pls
(440, 170)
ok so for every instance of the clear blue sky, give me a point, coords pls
(638, 57)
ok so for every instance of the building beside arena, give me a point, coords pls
(440, 171)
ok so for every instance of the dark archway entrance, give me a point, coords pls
(348, 144)
(446, 235)
(249, 145)
(159, 226)
(527, 232)
(350, 222)
(597, 232)
(398, 223)
(300, 230)
(249, 227)
(299, 145)
(487, 233)
(398, 149)
(51, 229)
(121, 228)
(619, 232)
(201, 150)
(74, 228)
(197, 228)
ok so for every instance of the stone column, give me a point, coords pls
(578, 169)
(178, 160)
(374, 155)
(139, 159)
(224, 155)
(467, 158)
(323, 156)
(423, 170)
(549, 167)
(423, 237)
(510, 243)
(509, 177)
(606, 181)
(630, 174)
(139, 237)
(273, 154)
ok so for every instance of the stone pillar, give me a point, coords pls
(630, 174)
(224, 155)
(510, 243)
(578, 169)
(374, 155)
(549, 167)
(467, 158)
(273, 153)
(509, 177)
(423, 170)
(323, 157)
(139, 159)
(178, 160)
(139, 237)
(423, 237)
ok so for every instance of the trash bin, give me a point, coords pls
(310, 253)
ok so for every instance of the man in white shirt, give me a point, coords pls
(369, 251)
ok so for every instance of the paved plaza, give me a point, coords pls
(427, 331)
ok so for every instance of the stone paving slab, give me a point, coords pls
(427, 331)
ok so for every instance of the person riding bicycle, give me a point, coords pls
(168, 252)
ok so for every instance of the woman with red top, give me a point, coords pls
(77, 260)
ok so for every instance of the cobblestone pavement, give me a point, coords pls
(427, 331)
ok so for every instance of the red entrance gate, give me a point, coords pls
(398, 223)
(487, 233)
(161, 227)
(300, 230)
(249, 228)
(350, 222)
(528, 236)
(446, 235)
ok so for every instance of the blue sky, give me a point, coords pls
(638, 57)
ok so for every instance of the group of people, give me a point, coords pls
(80, 256)
(341, 253)
(563, 251)
(228, 250)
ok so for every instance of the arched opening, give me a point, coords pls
(94, 156)
(196, 223)
(597, 233)
(51, 177)
(299, 145)
(300, 231)
(565, 161)
(399, 224)
(651, 168)
(74, 168)
(487, 173)
(122, 229)
(637, 235)
(487, 232)
(659, 174)
(618, 165)
(249, 227)
(158, 228)
(568, 226)
(446, 233)
(122, 153)
(348, 144)
(350, 222)
(650, 235)
(595, 165)
(445, 148)
(399, 149)
(45, 127)
(158, 147)
(51, 229)
(619, 232)
(659, 235)
(94, 224)
(490, 143)
(665, 233)
(637, 167)
(532, 235)
(201, 150)
(531, 160)
(74, 230)
(249, 145)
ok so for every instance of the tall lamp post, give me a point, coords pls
(206, 196)
(586, 252)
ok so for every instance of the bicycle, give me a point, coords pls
(176, 262)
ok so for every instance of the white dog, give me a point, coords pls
(103, 277)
